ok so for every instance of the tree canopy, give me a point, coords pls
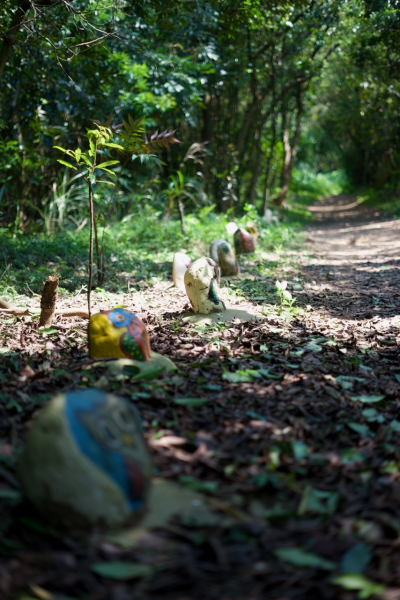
(264, 88)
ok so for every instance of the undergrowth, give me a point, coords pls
(142, 245)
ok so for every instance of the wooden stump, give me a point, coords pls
(48, 301)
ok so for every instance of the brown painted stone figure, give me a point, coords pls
(244, 242)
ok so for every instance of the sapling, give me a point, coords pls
(86, 163)
(134, 144)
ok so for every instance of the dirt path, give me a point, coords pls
(346, 232)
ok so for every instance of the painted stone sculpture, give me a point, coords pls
(85, 464)
(181, 263)
(201, 282)
(214, 249)
(244, 242)
(231, 228)
(222, 252)
(118, 333)
(251, 227)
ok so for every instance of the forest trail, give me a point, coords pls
(345, 230)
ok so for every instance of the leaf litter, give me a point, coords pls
(283, 432)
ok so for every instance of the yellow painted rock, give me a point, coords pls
(118, 333)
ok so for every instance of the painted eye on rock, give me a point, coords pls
(119, 317)
(109, 434)
(124, 419)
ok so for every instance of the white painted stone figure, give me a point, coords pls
(201, 282)
(179, 267)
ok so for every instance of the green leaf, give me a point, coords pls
(67, 164)
(356, 559)
(301, 558)
(366, 399)
(86, 160)
(112, 145)
(363, 430)
(107, 164)
(198, 486)
(356, 581)
(107, 171)
(191, 402)
(62, 149)
(127, 126)
(313, 347)
(121, 571)
(299, 449)
(149, 374)
(241, 376)
(78, 153)
(48, 331)
(351, 457)
(394, 425)
(105, 182)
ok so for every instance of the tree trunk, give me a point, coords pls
(290, 152)
(10, 35)
(181, 211)
(269, 162)
(244, 129)
(251, 194)
(100, 257)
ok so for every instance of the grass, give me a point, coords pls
(307, 187)
(141, 246)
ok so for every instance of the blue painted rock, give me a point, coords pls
(225, 257)
(244, 242)
(201, 282)
(85, 464)
(118, 333)
(179, 266)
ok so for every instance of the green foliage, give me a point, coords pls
(143, 245)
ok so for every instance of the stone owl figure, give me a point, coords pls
(244, 242)
(202, 286)
(222, 252)
(119, 333)
(85, 464)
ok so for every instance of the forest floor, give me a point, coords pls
(282, 434)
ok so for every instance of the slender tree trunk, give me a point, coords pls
(180, 204)
(256, 167)
(290, 152)
(269, 162)
(90, 246)
(247, 121)
(207, 135)
(100, 256)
